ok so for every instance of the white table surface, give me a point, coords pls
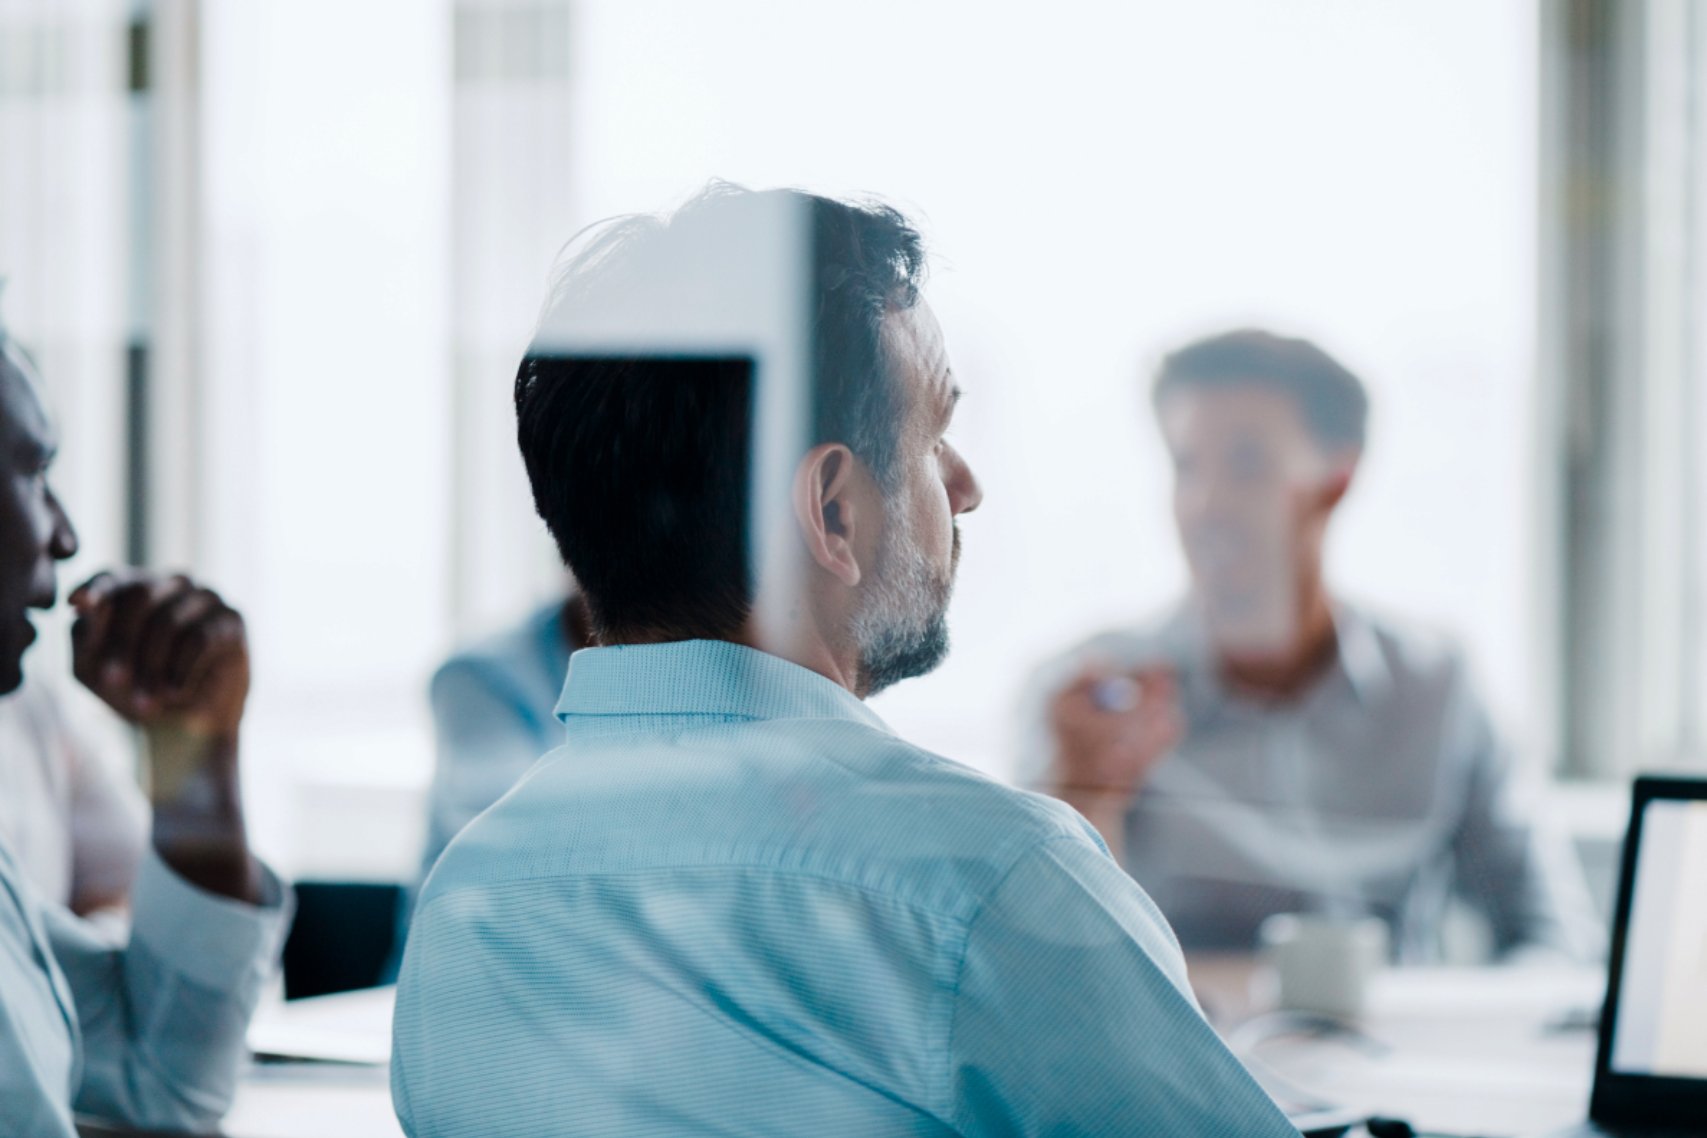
(1466, 1051)
(320, 1099)
(1472, 1051)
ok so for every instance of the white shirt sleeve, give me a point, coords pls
(162, 1019)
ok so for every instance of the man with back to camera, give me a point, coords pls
(1269, 747)
(735, 902)
(149, 1033)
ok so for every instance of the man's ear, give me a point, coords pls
(826, 511)
(1342, 469)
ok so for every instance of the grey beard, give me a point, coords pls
(902, 629)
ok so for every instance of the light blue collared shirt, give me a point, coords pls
(148, 1033)
(736, 904)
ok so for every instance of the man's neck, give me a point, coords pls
(577, 623)
(1282, 677)
(791, 639)
(801, 645)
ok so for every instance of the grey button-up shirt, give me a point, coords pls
(1382, 790)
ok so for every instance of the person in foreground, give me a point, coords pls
(147, 1033)
(735, 902)
(1268, 746)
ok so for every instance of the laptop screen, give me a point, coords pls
(1661, 1027)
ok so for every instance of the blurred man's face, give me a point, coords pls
(1251, 500)
(35, 533)
(902, 625)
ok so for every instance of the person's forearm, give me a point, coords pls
(198, 813)
(1103, 808)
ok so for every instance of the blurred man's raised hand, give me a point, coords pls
(1111, 726)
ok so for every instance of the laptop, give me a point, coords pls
(1650, 1073)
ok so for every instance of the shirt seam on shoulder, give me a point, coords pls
(779, 870)
(950, 1111)
(1037, 812)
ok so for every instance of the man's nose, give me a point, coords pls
(1214, 496)
(62, 544)
(964, 492)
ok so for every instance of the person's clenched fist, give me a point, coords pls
(162, 651)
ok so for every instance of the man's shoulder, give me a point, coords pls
(918, 783)
(839, 801)
(512, 658)
(1415, 653)
(519, 639)
(929, 808)
(942, 832)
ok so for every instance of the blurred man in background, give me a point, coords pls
(735, 902)
(495, 713)
(149, 1033)
(1269, 747)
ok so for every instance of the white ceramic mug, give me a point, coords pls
(1324, 963)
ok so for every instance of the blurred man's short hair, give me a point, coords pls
(1332, 400)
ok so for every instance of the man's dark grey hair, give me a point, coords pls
(1331, 399)
(641, 465)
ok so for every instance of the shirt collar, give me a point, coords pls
(701, 677)
(1359, 659)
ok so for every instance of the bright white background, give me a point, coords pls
(1102, 180)
(1098, 182)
